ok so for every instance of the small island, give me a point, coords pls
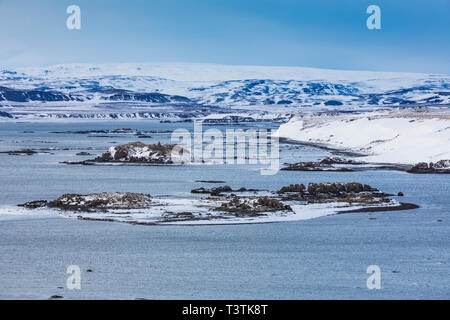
(137, 153)
(224, 205)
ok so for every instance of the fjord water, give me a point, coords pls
(325, 257)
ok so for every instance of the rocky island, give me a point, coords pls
(223, 205)
(328, 164)
(95, 202)
(442, 166)
(336, 164)
(135, 153)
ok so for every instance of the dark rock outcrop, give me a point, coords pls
(34, 204)
(333, 192)
(214, 191)
(20, 152)
(338, 188)
(217, 191)
(253, 207)
(327, 164)
(292, 188)
(442, 166)
(97, 201)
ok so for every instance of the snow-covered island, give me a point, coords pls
(223, 205)
(135, 153)
(412, 136)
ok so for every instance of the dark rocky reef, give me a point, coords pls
(327, 164)
(292, 188)
(327, 192)
(336, 164)
(213, 191)
(338, 188)
(217, 191)
(27, 152)
(210, 181)
(442, 166)
(253, 206)
(34, 204)
(352, 192)
(401, 206)
(103, 131)
(84, 153)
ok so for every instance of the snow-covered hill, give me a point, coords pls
(401, 136)
(219, 85)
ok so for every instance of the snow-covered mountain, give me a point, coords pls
(219, 85)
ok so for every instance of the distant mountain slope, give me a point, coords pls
(221, 85)
(45, 95)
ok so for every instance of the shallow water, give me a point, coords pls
(324, 257)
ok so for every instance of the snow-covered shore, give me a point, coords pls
(223, 205)
(404, 136)
(192, 211)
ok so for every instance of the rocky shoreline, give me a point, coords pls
(442, 166)
(128, 131)
(397, 139)
(327, 164)
(27, 152)
(336, 164)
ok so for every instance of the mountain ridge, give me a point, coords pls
(219, 85)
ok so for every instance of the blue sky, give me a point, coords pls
(415, 35)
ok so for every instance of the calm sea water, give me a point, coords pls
(320, 258)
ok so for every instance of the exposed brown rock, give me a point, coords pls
(253, 206)
(442, 166)
(292, 188)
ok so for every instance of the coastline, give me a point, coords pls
(379, 137)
